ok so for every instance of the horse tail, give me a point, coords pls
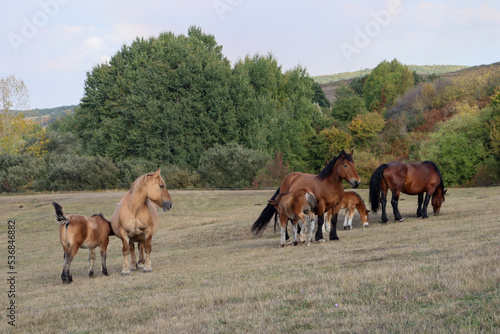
(265, 216)
(375, 186)
(60, 215)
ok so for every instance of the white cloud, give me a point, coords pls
(93, 42)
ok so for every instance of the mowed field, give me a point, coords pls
(211, 275)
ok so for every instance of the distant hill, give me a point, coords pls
(48, 115)
(420, 69)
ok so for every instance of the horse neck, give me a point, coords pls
(360, 206)
(137, 200)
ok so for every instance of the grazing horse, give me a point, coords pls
(298, 207)
(411, 179)
(326, 187)
(77, 231)
(350, 202)
(135, 218)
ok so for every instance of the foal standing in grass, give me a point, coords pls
(77, 231)
(135, 218)
(298, 207)
(350, 202)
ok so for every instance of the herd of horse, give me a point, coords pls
(305, 200)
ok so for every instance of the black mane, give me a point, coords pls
(441, 183)
(327, 171)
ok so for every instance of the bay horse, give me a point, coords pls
(408, 178)
(78, 231)
(135, 218)
(350, 202)
(298, 207)
(326, 187)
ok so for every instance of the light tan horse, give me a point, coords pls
(78, 231)
(135, 218)
(350, 202)
(299, 208)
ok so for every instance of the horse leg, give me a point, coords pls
(333, 227)
(383, 202)
(346, 218)
(284, 234)
(147, 248)
(319, 231)
(68, 257)
(294, 230)
(140, 246)
(312, 225)
(126, 252)
(302, 227)
(351, 216)
(426, 203)
(91, 261)
(102, 249)
(420, 200)
(133, 263)
(394, 202)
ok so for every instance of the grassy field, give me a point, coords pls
(211, 275)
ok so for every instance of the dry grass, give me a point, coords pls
(211, 275)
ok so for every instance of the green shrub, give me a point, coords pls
(230, 166)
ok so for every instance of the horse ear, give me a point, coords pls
(444, 192)
(158, 172)
(352, 152)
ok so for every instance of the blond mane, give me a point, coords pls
(141, 182)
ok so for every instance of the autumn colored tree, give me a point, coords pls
(365, 127)
(17, 134)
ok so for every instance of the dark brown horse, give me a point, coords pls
(411, 179)
(326, 187)
(77, 231)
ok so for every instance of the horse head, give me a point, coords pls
(346, 168)
(157, 191)
(438, 199)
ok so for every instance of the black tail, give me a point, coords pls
(265, 216)
(375, 182)
(60, 215)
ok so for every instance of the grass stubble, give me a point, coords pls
(211, 275)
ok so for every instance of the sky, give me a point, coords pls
(52, 44)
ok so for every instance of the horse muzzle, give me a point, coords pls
(166, 205)
(355, 183)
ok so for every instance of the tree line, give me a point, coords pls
(176, 101)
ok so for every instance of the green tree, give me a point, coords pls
(458, 146)
(347, 104)
(163, 99)
(385, 83)
(319, 96)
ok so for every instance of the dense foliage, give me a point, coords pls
(175, 101)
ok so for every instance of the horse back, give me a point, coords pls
(412, 178)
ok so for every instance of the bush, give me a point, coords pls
(230, 166)
(130, 170)
(178, 178)
(18, 173)
(73, 172)
(273, 173)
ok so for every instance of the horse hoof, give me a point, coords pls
(334, 238)
(282, 245)
(147, 270)
(125, 273)
(91, 274)
(401, 220)
(295, 243)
